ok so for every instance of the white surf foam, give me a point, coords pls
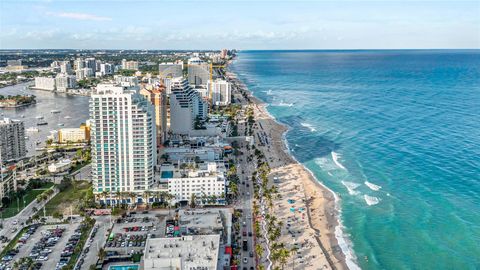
(309, 126)
(351, 187)
(370, 200)
(373, 186)
(335, 157)
(345, 247)
(283, 104)
(325, 164)
(343, 240)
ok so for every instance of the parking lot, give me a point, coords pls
(130, 232)
(44, 244)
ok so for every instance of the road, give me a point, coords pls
(103, 225)
(83, 173)
(245, 188)
(18, 221)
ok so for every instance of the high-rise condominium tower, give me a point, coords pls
(123, 140)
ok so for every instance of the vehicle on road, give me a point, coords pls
(245, 245)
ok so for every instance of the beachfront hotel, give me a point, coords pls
(203, 181)
(123, 141)
(186, 106)
(221, 92)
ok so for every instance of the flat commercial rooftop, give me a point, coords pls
(188, 252)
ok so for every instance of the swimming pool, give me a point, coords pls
(167, 174)
(124, 267)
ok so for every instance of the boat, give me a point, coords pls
(32, 129)
(67, 117)
(60, 124)
(42, 123)
(55, 111)
(39, 117)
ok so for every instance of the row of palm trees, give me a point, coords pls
(122, 198)
(279, 252)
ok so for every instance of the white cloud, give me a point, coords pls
(79, 16)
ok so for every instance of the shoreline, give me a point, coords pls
(322, 204)
(320, 200)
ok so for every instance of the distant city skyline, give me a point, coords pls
(188, 25)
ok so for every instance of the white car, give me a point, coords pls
(245, 260)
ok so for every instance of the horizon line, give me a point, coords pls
(329, 49)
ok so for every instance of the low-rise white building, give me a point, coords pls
(73, 135)
(61, 166)
(126, 81)
(185, 253)
(204, 182)
(45, 83)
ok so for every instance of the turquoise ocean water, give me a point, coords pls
(396, 135)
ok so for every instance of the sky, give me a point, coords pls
(196, 24)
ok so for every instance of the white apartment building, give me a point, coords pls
(78, 64)
(12, 140)
(80, 74)
(91, 63)
(66, 68)
(221, 92)
(123, 141)
(64, 82)
(73, 135)
(198, 72)
(186, 105)
(126, 81)
(202, 182)
(170, 70)
(132, 65)
(45, 83)
(106, 69)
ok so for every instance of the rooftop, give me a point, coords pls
(187, 252)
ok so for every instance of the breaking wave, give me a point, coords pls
(370, 200)
(351, 187)
(335, 157)
(309, 126)
(372, 186)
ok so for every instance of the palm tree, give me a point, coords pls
(118, 195)
(294, 252)
(146, 196)
(104, 194)
(259, 250)
(283, 256)
(133, 197)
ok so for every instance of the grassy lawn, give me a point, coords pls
(70, 197)
(31, 195)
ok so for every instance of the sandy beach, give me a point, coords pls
(306, 208)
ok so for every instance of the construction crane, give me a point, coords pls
(210, 91)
